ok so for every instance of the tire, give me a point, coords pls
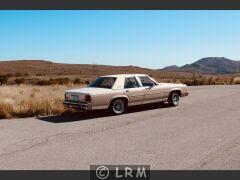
(173, 99)
(118, 106)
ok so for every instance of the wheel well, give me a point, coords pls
(178, 92)
(122, 98)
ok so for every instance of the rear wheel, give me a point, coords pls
(117, 107)
(174, 99)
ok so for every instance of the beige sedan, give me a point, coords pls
(117, 92)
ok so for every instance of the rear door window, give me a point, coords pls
(103, 82)
(131, 82)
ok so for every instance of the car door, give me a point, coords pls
(152, 91)
(133, 90)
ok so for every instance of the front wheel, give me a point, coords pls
(117, 107)
(174, 99)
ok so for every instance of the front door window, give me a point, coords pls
(146, 81)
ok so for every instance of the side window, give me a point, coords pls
(131, 82)
(146, 81)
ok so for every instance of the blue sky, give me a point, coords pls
(151, 39)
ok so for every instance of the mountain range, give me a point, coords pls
(48, 68)
(209, 65)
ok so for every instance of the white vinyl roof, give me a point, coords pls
(124, 75)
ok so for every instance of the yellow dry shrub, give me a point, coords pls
(236, 80)
(28, 100)
(6, 108)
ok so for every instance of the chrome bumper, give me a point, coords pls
(77, 105)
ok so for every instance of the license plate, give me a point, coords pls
(74, 97)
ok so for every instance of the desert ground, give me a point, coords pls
(203, 132)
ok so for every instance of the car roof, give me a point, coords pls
(124, 75)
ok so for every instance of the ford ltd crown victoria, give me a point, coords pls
(117, 92)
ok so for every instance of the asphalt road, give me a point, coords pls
(202, 133)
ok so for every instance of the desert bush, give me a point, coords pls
(3, 79)
(78, 81)
(60, 81)
(18, 74)
(10, 74)
(187, 82)
(46, 82)
(39, 74)
(63, 81)
(6, 108)
(53, 82)
(43, 82)
(19, 80)
(232, 80)
(236, 80)
(208, 80)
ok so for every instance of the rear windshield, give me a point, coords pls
(103, 82)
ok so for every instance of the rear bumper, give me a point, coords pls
(77, 105)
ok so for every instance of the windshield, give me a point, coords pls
(103, 82)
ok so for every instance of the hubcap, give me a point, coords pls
(175, 99)
(118, 107)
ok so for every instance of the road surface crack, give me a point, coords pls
(217, 153)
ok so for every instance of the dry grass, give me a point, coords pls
(28, 100)
(237, 80)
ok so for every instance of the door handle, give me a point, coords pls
(127, 91)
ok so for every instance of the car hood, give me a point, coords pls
(90, 90)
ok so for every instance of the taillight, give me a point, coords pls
(87, 98)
